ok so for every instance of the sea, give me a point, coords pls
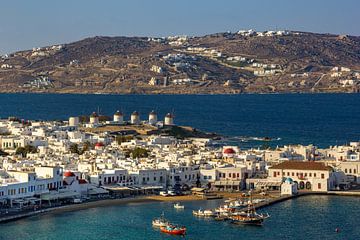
(309, 217)
(244, 120)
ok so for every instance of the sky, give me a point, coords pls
(25, 24)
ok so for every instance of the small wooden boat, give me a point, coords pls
(179, 206)
(173, 230)
(251, 217)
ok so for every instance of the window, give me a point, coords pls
(319, 185)
(314, 174)
(350, 170)
(310, 174)
(354, 171)
(209, 177)
(322, 176)
(274, 174)
(292, 174)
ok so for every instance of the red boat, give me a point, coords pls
(174, 230)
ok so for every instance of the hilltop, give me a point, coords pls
(241, 62)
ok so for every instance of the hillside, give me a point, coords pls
(242, 62)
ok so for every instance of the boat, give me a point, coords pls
(209, 213)
(179, 206)
(198, 213)
(224, 209)
(160, 222)
(237, 204)
(205, 213)
(173, 230)
(251, 217)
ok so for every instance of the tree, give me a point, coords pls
(139, 152)
(121, 139)
(25, 150)
(74, 148)
(86, 147)
(2, 153)
(198, 182)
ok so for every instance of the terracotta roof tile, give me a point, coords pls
(297, 165)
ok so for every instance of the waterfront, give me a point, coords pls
(310, 217)
(320, 119)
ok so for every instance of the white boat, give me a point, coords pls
(160, 222)
(179, 206)
(209, 213)
(205, 213)
(223, 209)
(198, 213)
(237, 204)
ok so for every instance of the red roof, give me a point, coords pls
(69, 174)
(82, 181)
(99, 144)
(229, 151)
(302, 165)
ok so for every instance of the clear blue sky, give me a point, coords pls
(32, 23)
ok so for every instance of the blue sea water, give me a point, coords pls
(310, 218)
(320, 119)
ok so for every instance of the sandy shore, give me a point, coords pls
(122, 201)
(99, 203)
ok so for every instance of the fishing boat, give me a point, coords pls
(179, 206)
(160, 222)
(251, 217)
(173, 230)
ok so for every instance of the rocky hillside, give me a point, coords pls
(246, 61)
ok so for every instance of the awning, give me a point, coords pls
(117, 188)
(196, 189)
(268, 184)
(227, 183)
(97, 191)
(152, 187)
(59, 195)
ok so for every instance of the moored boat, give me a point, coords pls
(173, 230)
(251, 217)
(160, 222)
(205, 213)
(179, 206)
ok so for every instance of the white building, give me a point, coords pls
(152, 118)
(135, 118)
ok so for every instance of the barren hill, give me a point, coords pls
(246, 61)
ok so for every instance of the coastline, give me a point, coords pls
(98, 204)
(156, 198)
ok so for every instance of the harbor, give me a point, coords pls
(134, 219)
